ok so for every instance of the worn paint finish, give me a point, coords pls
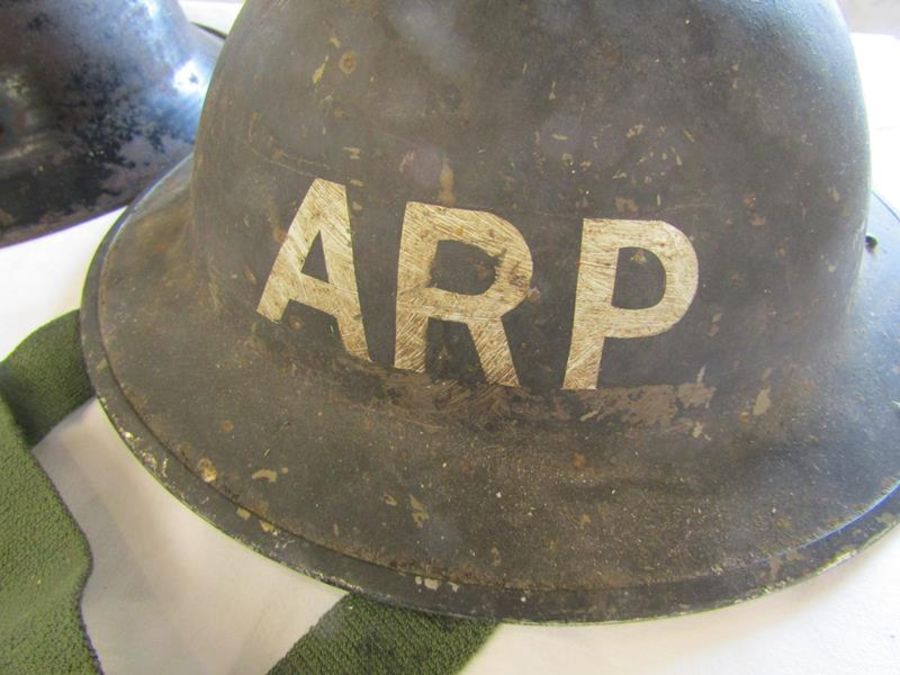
(324, 214)
(97, 100)
(597, 317)
(419, 299)
(658, 492)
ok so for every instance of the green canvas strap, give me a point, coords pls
(362, 636)
(44, 378)
(45, 559)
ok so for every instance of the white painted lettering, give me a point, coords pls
(323, 213)
(596, 318)
(424, 226)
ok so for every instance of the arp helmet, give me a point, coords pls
(521, 310)
(97, 100)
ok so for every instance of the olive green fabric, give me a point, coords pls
(44, 557)
(361, 636)
(44, 378)
(45, 560)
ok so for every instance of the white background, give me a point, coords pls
(171, 594)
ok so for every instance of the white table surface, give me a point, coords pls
(171, 594)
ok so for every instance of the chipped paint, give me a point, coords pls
(647, 406)
(319, 72)
(265, 474)
(207, 470)
(446, 195)
(347, 62)
(149, 461)
(639, 257)
(762, 403)
(419, 512)
(714, 325)
(242, 513)
(626, 204)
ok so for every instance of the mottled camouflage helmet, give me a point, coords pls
(532, 310)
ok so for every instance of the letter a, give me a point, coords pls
(323, 212)
(424, 226)
(596, 318)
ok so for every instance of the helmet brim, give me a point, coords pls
(513, 522)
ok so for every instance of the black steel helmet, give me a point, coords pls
(522, 310)
(97, 99)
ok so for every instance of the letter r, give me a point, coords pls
(424, 226)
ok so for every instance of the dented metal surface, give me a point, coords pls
(97, 100)
(741, 444)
